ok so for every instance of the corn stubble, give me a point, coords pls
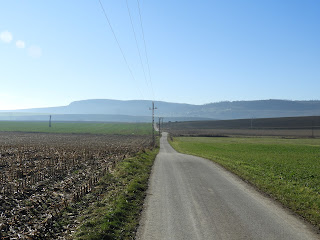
(42, 174)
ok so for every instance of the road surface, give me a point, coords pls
(193, 198)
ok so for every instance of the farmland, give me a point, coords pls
(286, 169)
(287, 126)
(43, 174)
(77, 127)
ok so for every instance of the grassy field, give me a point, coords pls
(77, 127)
(286, 169)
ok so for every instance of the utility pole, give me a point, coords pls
(312, 129)
(159, 126)
(153, 137)
(162, 121)
(50, 121)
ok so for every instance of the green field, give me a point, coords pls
(286, 169)
(77, 127)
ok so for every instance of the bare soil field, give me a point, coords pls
(41, 173)
(268, 123)
(287, 127)
(292, 133)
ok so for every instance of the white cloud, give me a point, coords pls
(6, 36)
(20, 44)
(35, 51)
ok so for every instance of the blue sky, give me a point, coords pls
(56, 52)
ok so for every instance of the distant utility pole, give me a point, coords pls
(159, 126)
(153, 137)
(162, 122)
(50, 121)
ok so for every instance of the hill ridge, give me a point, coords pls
(219, 110)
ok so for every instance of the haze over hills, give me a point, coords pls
(138, 110)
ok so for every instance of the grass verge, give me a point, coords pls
(286, 169)
(121, 195)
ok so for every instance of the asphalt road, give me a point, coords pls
(193, 198)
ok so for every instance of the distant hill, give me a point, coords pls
(117, 107)
(259, 109)
(138, 110)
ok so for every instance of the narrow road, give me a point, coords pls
(193, 198)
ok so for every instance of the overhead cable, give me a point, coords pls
(135, 38)
(145, 49)
(115, 37)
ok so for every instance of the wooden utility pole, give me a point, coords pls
(162, 121)
(312, 129)
(50, 121)
(159, 126)
(153, 137)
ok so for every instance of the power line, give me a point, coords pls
(115, 37)
(145, 48)
(135, 38)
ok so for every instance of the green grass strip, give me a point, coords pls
(286, 169)
(78, 127)
(117, 215)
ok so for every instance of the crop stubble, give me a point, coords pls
(40, 174)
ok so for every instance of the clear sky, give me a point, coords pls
(56, 52)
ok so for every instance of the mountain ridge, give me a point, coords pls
(219, 110)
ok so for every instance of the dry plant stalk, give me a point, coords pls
(40, 174)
